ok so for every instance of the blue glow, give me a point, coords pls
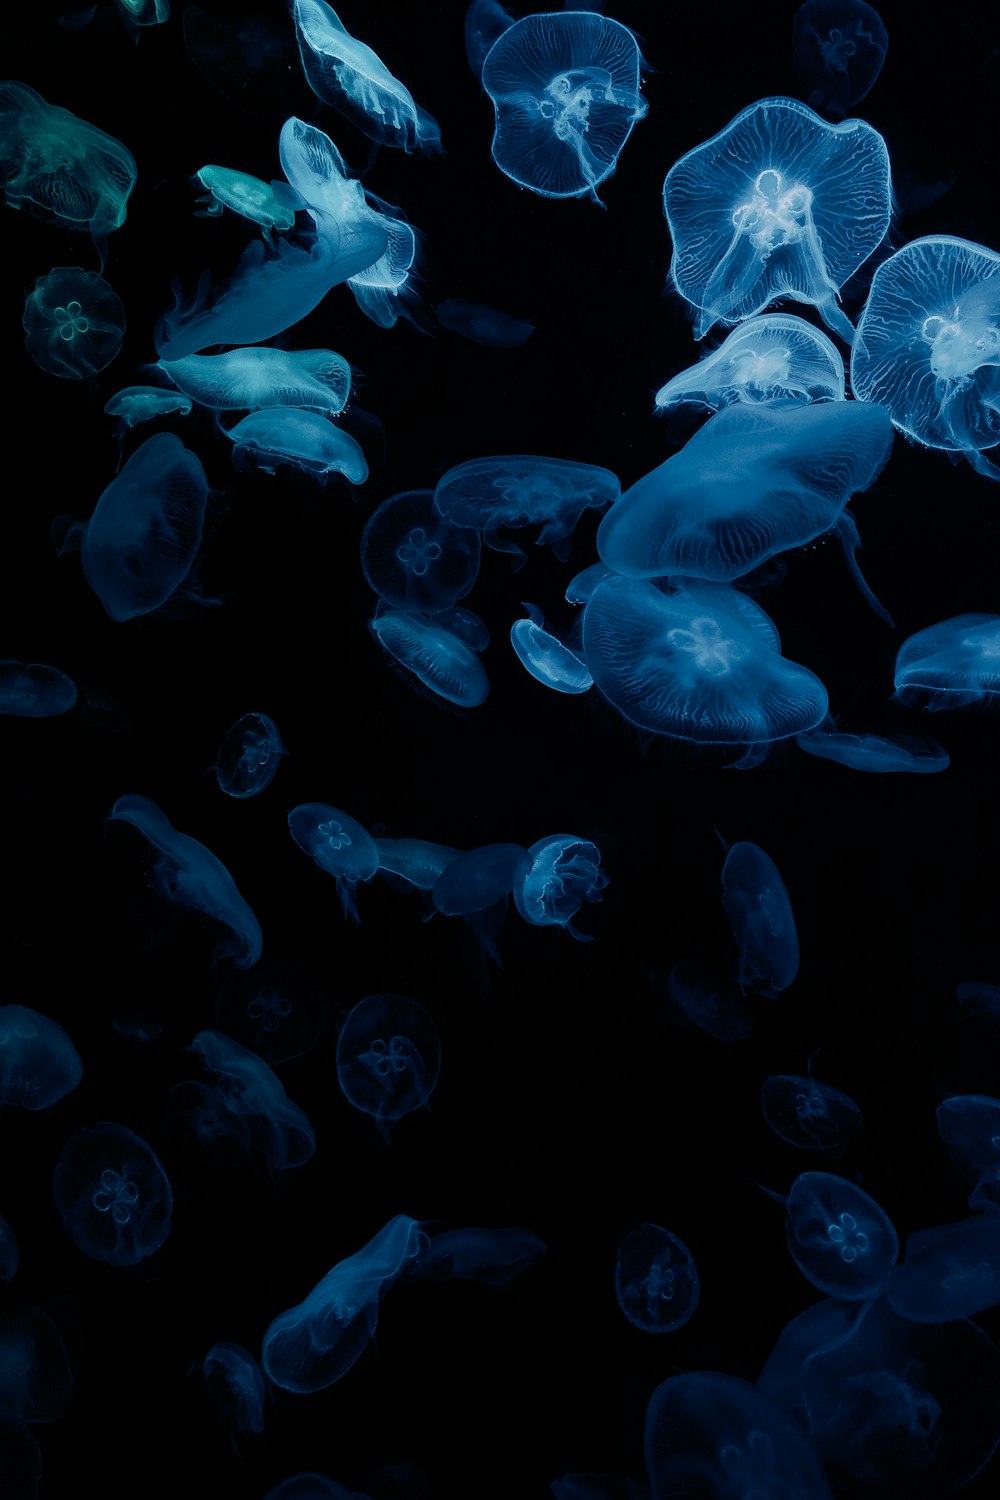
(765, 361)
(271, 205)
(251, 379)
(388, 1058)
(485, 21)
(277, 1009)
(477, 880)
(565, 872)
(142, 403)
(969, 1125)
(948, 1272)
(813, 1116)
(278, 1128)
(413, 558)
(415, 863)
(73, 323)
(656, 1280)
(760, 914)
(283, 435)
(545, 657)
(482, 324)
(203, 1121)
(236, 1385)
(838, 48)
(436, 657)
(113, 1195)
(491, 1257)
(875, 753)
(249, 756)
(707, 1001)
(488, 494)
(951, 664)
(840, 1239)
(38, 1063)
(338, 844)
(34, 691)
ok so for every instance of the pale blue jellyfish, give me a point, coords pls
(491, 1257)
(969, 1125)
(778, 204)
(708, 1001)
(951, 664)
(876, 753)
(928, 346)
(840, 1239)
(39, 1065)
(482, 324)
(566, 93)
(766, 361)
(583, 584)
(437, 658)
(316, 379)
(272, 205)
(760, 914)
(136, 14)
(951, 1271)
(286, 437)
(113, 1195)
(388, 1058)
(142, 403)
(491, 494)
(415, 864)
(249, 756)
(277, 1008)
(385, 289)
(277, 1127)
(838, 48)
(203, 1120)
(73, 323)
(565, 873)
(546, 658)
(233, 1379)
(35, 690)
(657, 1285)
(812, 1116)
(338, 844)
(413, 558)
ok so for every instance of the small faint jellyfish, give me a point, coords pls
(656, 1280)
(249, 756)
(388, 1058)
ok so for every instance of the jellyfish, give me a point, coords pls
(283, 435)
(477, 880)
(141, 1029)
(271, 205)
(386, 288)
(491, 1257)
(413, 558)
(566, 93)
(251, 60)
(435, 656)
(656, 1280)
(969, 1125)
(113, 1195)
(760, 914)
(34, 691)
(470, 629)
(928, 346)
(778, 204)
(38, 1063)
(278, 1128)
(311, 1487)
(840, 1239)
(415, 863)
(183, 870)
(487, 494)
(707, 1001)
(565, 872)
(583, 584)
(951, 664)
(838, 48)
(388, 1058)
(10, 1255)
(73, 323)
(702, 663)
(277, 1009)
(482, 324)
(142, 403)
(951, 1271)
(201, 1117)
(813, 1116)
(36, 1374)
(875, 753)
(545, 657)
(338, 844)
(485, 21)
(766, 361)
(235, 1383)
(249, 756)
(316, 379)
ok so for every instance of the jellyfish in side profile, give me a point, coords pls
(34, 691)
(491, 1257)
(546, 658)
(706, 1000)
(338, 844)
(480, 878)
(521, 489)
(415, 863)
(73, 322)
(388, 1058)
(435, 656)
(277, 436)
(482, 324)
(876, 753)
(948, 1272)
(766, 361)
(39, 1064)
(249, 756)
(113, 1195)
(142, 403)
(657, 1285)
(839, 1237)
(951, 664)
(233, 1379)
(778, 204)
(271, 205)
(838, 48)
(565, 872)
(315, 379)
(36, 1373)
(760, 914)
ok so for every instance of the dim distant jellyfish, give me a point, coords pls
(415, 864)
(482, 324)
(491, 1257)
(469, 627)
(234, 1382)
(142, 403)
(138, 1028)
(928, 346)
(840, 1239)
(311, 1487)
(345, 72)
(74, 323)
(491, 494)
(875, 753)
(707, 1001)
(271, 205)
(38, 1063)
(566, 93)
(700, 664)
(767, 361)
(656, 1280)
(316, 379)
(778, 204)
(979, 999)
(388, 1058)
(760, 914)
(478, 879)
(949, 1272)
(278, 1128)
(36, 1374)
(10, 1255)
(34, 691)
(183, 870)
(813, 1116)
(201, 1118)
(113, 1195)
(564, 874)
(546, 658)
(969, 1125)
(251, 60)
(838, 48)
(485, 21)
(413, 558)
(285, 436)
(437, 658)
(951, 664)
(314, 1344)
(249, 756)
(277, 1009)
(65, 169)
(338, 844)
(136, 14)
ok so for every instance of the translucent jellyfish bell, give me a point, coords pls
(414, 558)
(278, 436)
(249, 756)
(388, 1058)
(338, 844)
(951, 664)
(271, 205)
(73, 323)
(969, 1125)
(812, 1116)
(778, 204)
(278, 1128)
(840, 1239)
(838, 48)
(316, 379)
(233, 1379)
(39, 1064)
(34, 691)
(565, 872)
(760, 913)
(113, 1195)
(488, 494)
(436, 657)
(765, 361)
(875, 753)
(546, 658)
(656, 1280)
(141, 403)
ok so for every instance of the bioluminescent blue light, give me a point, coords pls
(314, 1344)
(840, 1239)
(838, 48)
(436, 657)
(485, 21)
(139, 1029)
(279, 436)
(565, 872)
(278, 1128)
(203, 1121)
(977, 998)
(249, 756)
(760, 914)
(73, 323)
(272, 205)
(769, 360)
(388, 1058)
(254, 378)
(928, 346)
(951, 664)
(491, 1257)
(142, 403)
(482, 324)
(490, 494)
(969, 1125)
(701, 664)
(338, 844)
(277, 1009)
(140, 13)
(948, 1272)
(185, 872)
(546, 658)
(34, 690)
(235, 1383)
(707, 1001)
(36, 1374)
(38, 1063)
(657, 1285)
(10, 1255)
(583, 584)
(414, 863)
(566, 92)
(113, 1195)
(251, 60)
(414, 558)
(778, 204)
(477, 880)
(813, 1116)
(385, 289)
(875, 753)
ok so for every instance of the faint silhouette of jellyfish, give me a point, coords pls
(272, 205)
(656, 1280)
(136, 14)
(466, 625)
(235, 1383)
(386, 289)
(765, 361)
(545, 657)
(278, 1128)
(928, 346)
(840, 1239)
(707, 1001)
(760, 914)
(478, 879)
(436, 657)
(388, 1058)
(583, 584)
(249, 756)
(413, 558)
(566, 92)
(36, 1374)
(969, 1125)
(949, 1272)
(979, 999)
(413, 864)
(284, 435)
(565, 872)
(201, 1118)
(183, 870)
(875, 753)
(813, 1116)
(489, 494)
(141, 403)
(838, 48)
(73, 323)
(951, 664)
(277, 1009)
(778, 204)
(36, 691)
(10, 1255)
(311, 1487)
(250, 60)
(113, 1195)
(485, 21)
(317, 379)
(140, 1029)
(491, 1257)
(338, 844)
(482, 324)
(38, 1063)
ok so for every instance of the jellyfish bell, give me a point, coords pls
(952, 664)
(338, 844)
(774, 359)
(564, 874)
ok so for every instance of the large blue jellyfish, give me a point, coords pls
(272, 205)
(414, 558)
(566, 92)
(565, 872)
(951, 1271)
(702, 663)
(38, 1063)
(951, 664)
(249, 756)
(928, 346)
(278, 1128)
(760, 914)
(779, 204)
(491, 494)
(838, 48)
(546, 658)
(813, 1116)
(34, 691)
(435, 656)
(235, 1383)
(656, 1280)
(765, 361)
(73, 323)
(113, 1195)
(184, 871)
(840, 1239)
(317, 379)
(388, 1058)
(278, 436)
(338, 844)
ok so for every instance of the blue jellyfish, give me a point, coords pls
(766, 361)
(34, 691)
(10, 1255)
(656, 1280)
(778, 204)
(251, 60)
(203, 1120)
(485, 21)
(840, 1239)
(488, 494)
(249, 756)
(415, 863)
(113, 1195)
(338, 844)
(435, 656)
(272, 205)
(702, 663)
(316, 379)
(566, 92)
(760, 914)
(388, 1058)
(838, 48)
(928, 346)
(704, 999)
(141, 403)
(951, 1271)
(977, 998)
(278, 1128)
(386, 288)
(969, 1125)
(413, 558)
(491, 1257)
(38, 1063)
(565, 872)
(184, 871)
(482, 324)
(36, 1374)
(284, 435)
(277, 1009)
(311, 1487)
(951, 664)
(466, 625)
(875, 753)
(235, 1383)
(813, 1116)
(136, 14)
(546, 658)
(583, 584)
(477, 880)
(73, 323)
